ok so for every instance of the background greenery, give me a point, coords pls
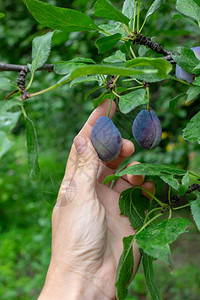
(25, 206)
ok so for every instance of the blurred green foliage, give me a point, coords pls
(25, 206)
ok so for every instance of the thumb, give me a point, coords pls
(86, 166)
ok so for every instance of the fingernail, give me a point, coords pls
(80, 144)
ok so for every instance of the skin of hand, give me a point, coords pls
(87, 228)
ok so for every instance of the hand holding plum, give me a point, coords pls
(88, 229)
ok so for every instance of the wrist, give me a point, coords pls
(67, 285)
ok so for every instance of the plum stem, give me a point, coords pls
(111, 100)
(150, 212)
(148, 97)
(156, 199)
(149, 222)
(170, 214)
(115, 94)
(138, 16)
(132, 52)
(183, 206)
(169, 194)
(134, 17)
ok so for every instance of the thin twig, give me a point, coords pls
(192, 188)
(14, 92)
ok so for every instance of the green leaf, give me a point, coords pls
(105, 95)
(5, 84)
(103, 70)
(162, 66)
(133, 205)
(125, 47)
(147, 169)
(190, 8)
(192, 93)
(195, 209)
(63, 19)
(196, 81)
(8, 120)
(105, 9)
(125, 268)
(132, 100)
(196, 70)
(155, 239)
(147, 262)
(2, 15)
(108, 42)
(128, 8)
(83, 79)
(174, 101)
(142, 50)
(112, 28)
(91, 91)
(155, 5)
(32, 149)
(185, 184)
(186, 59)
(185, 20)
(173, 182)
(118, 56)
(40, 51)
(82, 60)
(6, 105)
(5, 143)
(192, 133)
(170, 180)
(66, 67)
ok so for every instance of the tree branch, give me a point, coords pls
(192, 188)
(18, 68)
(146, 41)
(23, 71)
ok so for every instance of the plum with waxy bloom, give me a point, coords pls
(147, 129)
(106, 139)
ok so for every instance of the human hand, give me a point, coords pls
(87, 228)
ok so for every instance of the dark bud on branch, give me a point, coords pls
(21, 83)
(146, 41)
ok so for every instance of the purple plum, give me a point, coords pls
(106, 139)
(147, 129)
(181, 73)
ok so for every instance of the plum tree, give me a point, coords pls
(147, 129)
(106, 139)
(181, 73)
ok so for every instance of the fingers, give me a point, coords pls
(108, 168)
(101, 110)
(128, 181)
(150, 187)
(69, 172)
(126, 150)
(134, 179)
(86, 167)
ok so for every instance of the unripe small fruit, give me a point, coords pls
(182, 74)
(106, 139)
(147, 129)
